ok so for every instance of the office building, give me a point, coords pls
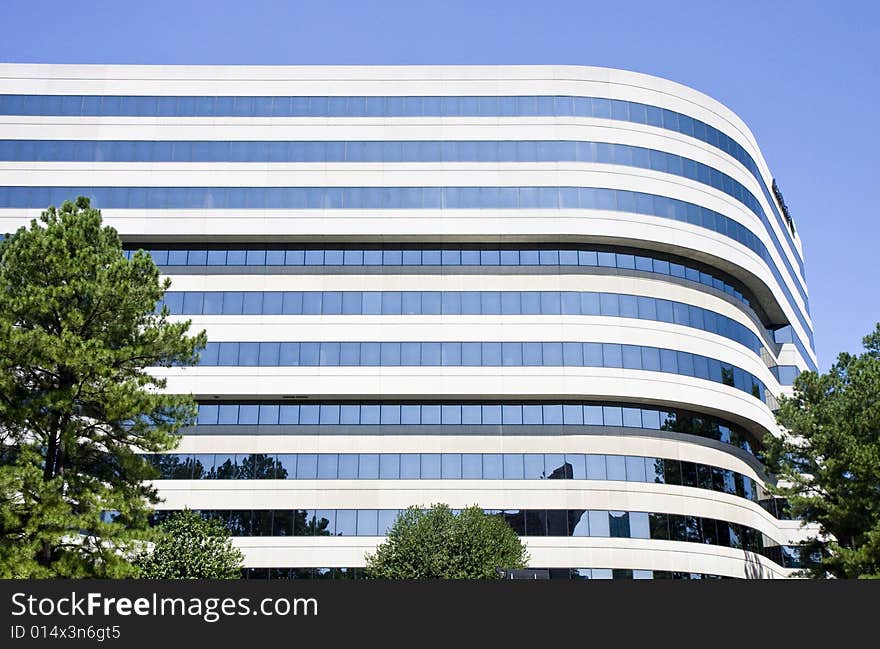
(569, 295)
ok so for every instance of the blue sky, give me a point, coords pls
(805, 76)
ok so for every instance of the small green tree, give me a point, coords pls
(438, 544)
(191, 547)
(830, 463)
(78, 334)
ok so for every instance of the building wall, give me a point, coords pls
(740, 237)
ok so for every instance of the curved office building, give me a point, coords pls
(569, 295)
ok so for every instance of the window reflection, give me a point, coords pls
(452, 466)
(529, 522)
(433, 354)
(512, 415)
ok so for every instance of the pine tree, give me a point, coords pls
(78, 332)
(829, 464)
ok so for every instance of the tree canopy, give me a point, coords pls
(829, 465)
(191, 547)
(439, 544)
(78, 332)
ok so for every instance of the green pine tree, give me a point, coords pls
(78, 332)
(829, 466)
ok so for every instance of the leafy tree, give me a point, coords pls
(829, 466)
(438, 544)
(78, 332)
(191, 547)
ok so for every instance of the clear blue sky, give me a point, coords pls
(803, 75)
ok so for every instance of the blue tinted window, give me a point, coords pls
(493, 466)
(307, 466)
(410, 466)
(367, 522)
(577, 462)
(599, 525)
(596, 469)
(472, 466)
(327, 466)
(451, 466)
(431, 466)
(369, 466)
(533, 466)
(616, 467)
(635, 469)
(513, 467)
(389, 466)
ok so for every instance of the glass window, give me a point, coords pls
(470, 354)
(389, 414)
(612, 355)
(536, 522)
(327, 466)
(387, 518)
(472, 466)
(268, 414)
(639, 526)
(632, 417)
(346, 522)
(328, 414)
(551, 354)
(410, 466)
(307, 466)
(651, 419)
(451, 466)
(557, 522)
(616, 465)
(556, 467)
(325, 522)
(689, 474)
(431, 466)
(575, 466)
(635, 469)
(599, 525)
(248, 414)
(513, 466)
(533, 466)
(658, 525)
(704, 476)
(208, 414)
(552, 413)
(596, 467)
(578, 522)
(488, 414)
(532, 414)
(288, 415)
(593, 416)
(632, 357)
(369, 466)
(344, 466)
(225, 467)
(389, 466)
(308, 414)
(410, 415)
(450, 414)
(512, 354)
(612, 415)
(516, 519)
(572, 414)
(493, 466)
(654, 470)
(619, 524)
